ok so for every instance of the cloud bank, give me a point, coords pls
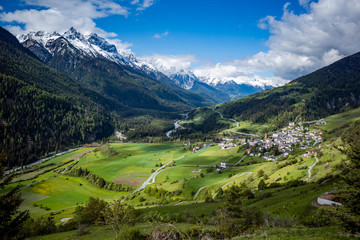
(55, 15)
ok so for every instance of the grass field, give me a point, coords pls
(136, 161)
(339, 120)
(133, 162)
(64, 191)
(65, 157)
(296, 232)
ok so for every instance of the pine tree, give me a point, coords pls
(11, 219)
(350, 191)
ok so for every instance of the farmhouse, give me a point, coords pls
(320, 122)
(223, 165)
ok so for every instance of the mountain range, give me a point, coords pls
(65, 51)
(62, 90)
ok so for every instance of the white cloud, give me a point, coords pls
(302, 43)
(299, 43)
(235, 71)
(158, 36)
(122, 47)
(1, 8)
(61, 15)
(134, 2)
(170, 63)
(145, 4)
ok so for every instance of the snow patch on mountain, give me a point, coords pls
(255, 81)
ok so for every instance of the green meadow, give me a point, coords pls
(132, 162)
(341, 119)
(48, 191)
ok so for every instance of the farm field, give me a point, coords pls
(189, 179)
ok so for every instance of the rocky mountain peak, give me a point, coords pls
(73, 34)
(101, 43)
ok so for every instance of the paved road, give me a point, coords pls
(242, 133)
(241, 160)
(151, 179)
(230, 119)
(40, 161)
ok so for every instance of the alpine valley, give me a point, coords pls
(97, 143)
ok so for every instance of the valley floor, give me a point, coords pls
(170, 178)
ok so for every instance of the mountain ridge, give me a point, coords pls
(94, 46)
(72, 50)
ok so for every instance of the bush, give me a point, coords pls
(131, 233)
(318, 218)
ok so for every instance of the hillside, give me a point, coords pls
(43, 110)
(178, 183)
(95, 63)
(324, 92)
(330, 90)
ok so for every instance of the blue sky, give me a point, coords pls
(243, 40)
(215, 30)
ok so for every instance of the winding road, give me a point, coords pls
(151, 179)
(230, 119)
(237, 125)
(241, 160)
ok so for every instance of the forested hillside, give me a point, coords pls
(43, 110)
(327, 91)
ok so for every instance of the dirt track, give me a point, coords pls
(123, 181)
(79, 155)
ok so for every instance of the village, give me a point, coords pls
(280, 143)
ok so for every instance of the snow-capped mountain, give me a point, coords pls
(74, 46)
(92, 46)
(254, 82)
(184, 79)
(181, 77)
(65, 51)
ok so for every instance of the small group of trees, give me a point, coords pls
(98, 181)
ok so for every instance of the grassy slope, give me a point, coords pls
(58, 193)
(293, 233)
(143, 157)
